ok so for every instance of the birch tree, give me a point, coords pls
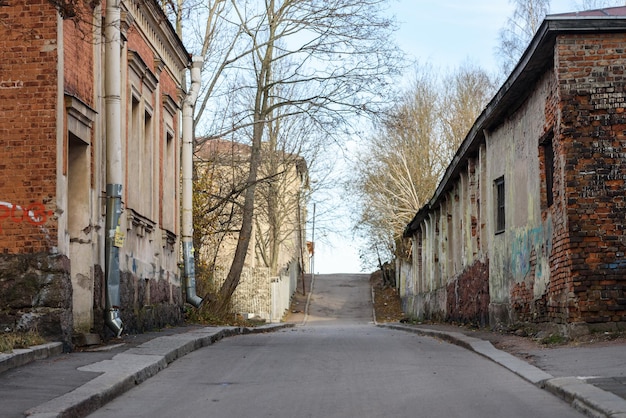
(598, 4)
(519, 29)
(401, 164)
(465, 92)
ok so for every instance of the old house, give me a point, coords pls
(276, 254)
(528, 222)
(90, 105)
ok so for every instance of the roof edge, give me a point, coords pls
(530, 66)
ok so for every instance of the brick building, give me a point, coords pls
(56, 113)
(528, 223)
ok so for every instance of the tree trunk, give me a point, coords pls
(245, 234)
(247, 222)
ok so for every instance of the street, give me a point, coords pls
(338, 364)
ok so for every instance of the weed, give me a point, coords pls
(553, 339)
(18, 339)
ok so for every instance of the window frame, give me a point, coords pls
(548, 167)
(500, 205)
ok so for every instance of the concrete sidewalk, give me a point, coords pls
(591, 379)
(76, 384)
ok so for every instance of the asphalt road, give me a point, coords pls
(338, 364)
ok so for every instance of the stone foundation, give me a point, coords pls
(36, 294)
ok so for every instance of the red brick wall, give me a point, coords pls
(468, 296)
(28, 92)
(592, 143)
(138, 44)
(79, 57)
(554, 306)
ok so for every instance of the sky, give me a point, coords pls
(447, 32)
(444, 34)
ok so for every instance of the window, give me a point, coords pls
(133, 151)
(500, 214)
(169, 181)
(147, 164)
(548, 168)
(142, 154)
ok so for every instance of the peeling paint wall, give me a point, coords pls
(525, 243)
(559, 151)
(447, 246)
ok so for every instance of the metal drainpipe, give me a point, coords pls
(187, 168)
(112, 92)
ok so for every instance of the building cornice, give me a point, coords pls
(154, 26)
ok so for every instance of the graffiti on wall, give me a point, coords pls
(34, 213)
(528, 244)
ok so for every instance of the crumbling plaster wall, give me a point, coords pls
(518, 255)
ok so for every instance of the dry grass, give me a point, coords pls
(387, 304)
(16, 339)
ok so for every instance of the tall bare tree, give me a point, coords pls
(400, 166)
(324, 62)
(338, 49)
(465, 92)
(519, 30)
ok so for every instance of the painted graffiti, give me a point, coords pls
(529, 243)
(34, 213)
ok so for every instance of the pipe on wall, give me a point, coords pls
(187, 185)
(113, 121)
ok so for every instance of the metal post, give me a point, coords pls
(313, 245)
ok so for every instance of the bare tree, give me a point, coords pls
(466, 91)
(278, 214)
(401, 165)
(598, 4)
(219, 183)
(519, 30)
(337, 48)
(324, 63)
(398, 169)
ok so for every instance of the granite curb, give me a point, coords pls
(582, 396)
(133, 366)
(21, 356)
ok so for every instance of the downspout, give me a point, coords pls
(187, 168)
(113, 121)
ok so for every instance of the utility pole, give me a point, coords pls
(313, 246)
